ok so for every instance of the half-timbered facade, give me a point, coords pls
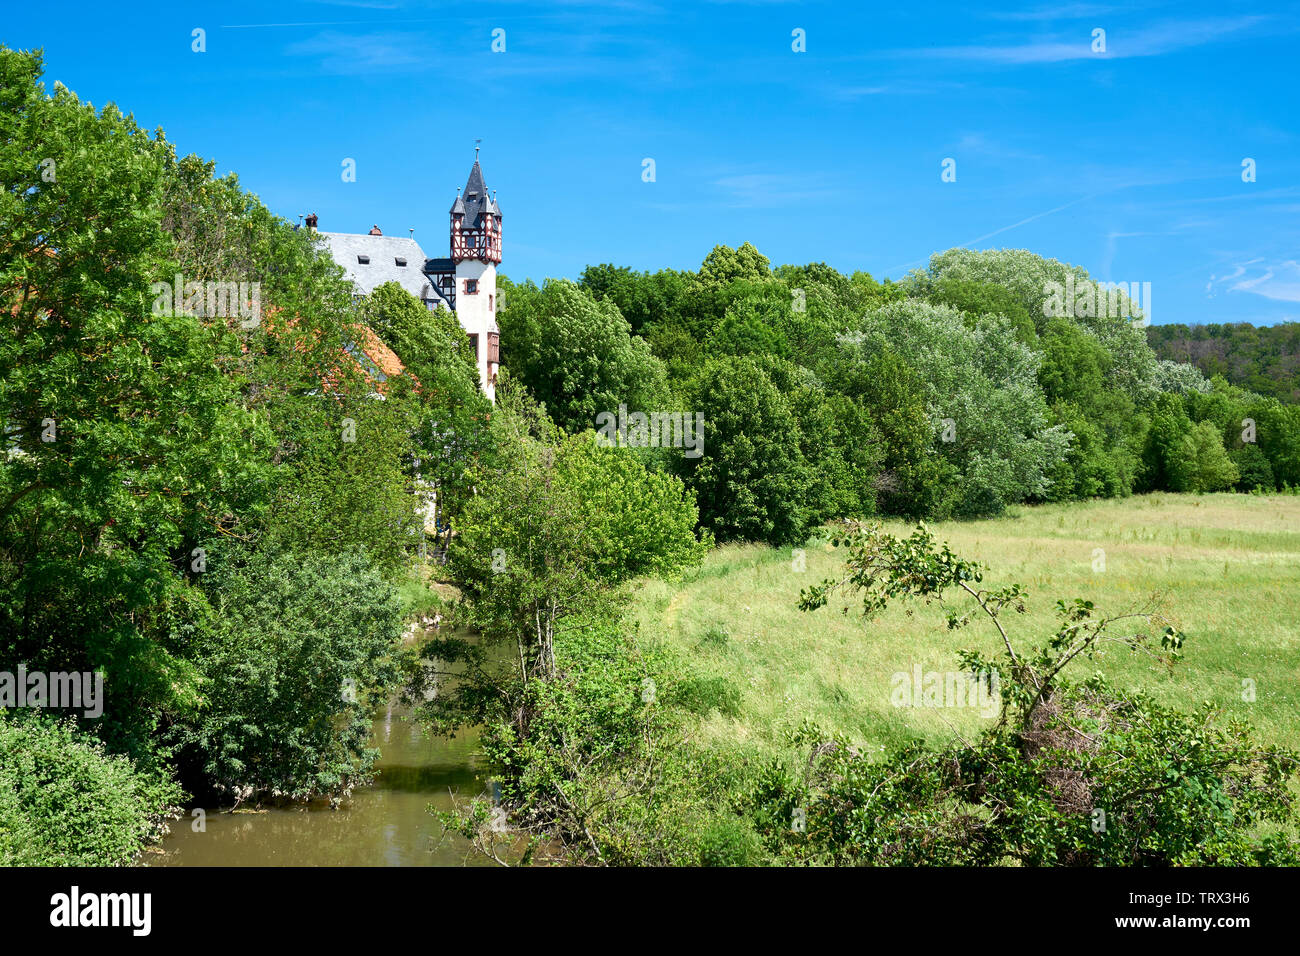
(464, 282)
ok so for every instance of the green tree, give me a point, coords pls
(556, 526)
(448, 411)
(989, 417)
(978, 299)
(1107, 428)
(912, 482)
(577, 355)
(294, 660)
(641, 522)
(752, 481)
(126, 441)
(724, 265)
(1212, 469)
(348, 485)
(1132, 365)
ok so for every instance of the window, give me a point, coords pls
(490, 298)
(363, 260)
(400, 261)
(471, 286)
(473, 242)
(473, 343)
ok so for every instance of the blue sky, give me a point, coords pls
(1128, 162)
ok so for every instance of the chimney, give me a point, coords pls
(311, 222)
(374, 231)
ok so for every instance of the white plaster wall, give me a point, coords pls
(473, 312)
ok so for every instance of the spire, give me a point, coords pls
(458, 207)
(477, 202)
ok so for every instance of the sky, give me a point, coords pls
(816, 131)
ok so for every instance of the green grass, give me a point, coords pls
(1226, 566)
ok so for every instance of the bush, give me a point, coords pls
(1070, 773)
(64, 801)
(730, 841)
(1254, 470)
(297, 657)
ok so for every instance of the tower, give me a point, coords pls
(475, 252)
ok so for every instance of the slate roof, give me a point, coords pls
(475, 200)
(383, 253)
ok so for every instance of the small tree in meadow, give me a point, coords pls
(1070, 772)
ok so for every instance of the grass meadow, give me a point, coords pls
(1226, 567)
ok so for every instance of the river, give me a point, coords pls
(384, 824)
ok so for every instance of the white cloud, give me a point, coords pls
(1279, 281)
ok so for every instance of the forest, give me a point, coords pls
(1264, 359)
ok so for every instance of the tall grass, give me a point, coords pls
(1227, 568)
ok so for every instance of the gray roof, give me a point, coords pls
(475, 201)
(383, 252)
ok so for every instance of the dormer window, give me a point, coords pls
(399, 260)
(363, 260)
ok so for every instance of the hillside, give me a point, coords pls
(1264, 359)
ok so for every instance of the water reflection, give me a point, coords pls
(386, 824)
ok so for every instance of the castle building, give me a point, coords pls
(464, 282)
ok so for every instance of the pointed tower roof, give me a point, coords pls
(458, 206)
(476, 201)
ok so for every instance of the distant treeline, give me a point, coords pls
(1264, 359)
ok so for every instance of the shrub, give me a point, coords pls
(298, 655)
(1070, 773)
(730, 841)
(64, 801)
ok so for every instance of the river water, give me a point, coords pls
(385, 824)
